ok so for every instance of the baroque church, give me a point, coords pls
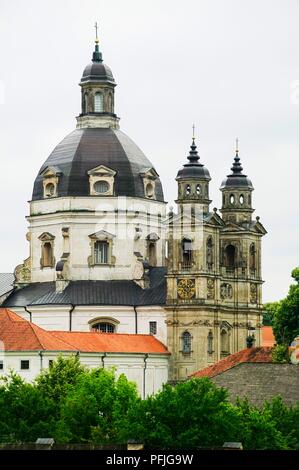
(105, 255)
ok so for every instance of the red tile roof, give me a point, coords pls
(261, 354)
(18, 334)
(268, 338)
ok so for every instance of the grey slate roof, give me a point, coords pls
(85, 149)
(6, 283)
(261, 381)
(93, 293)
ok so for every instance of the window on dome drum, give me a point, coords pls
(187, 342)
(98, 103)
(49, 190)
(85, 103)
(186, 253)
(1, 365)
(198, 189)
(101, 250)
(232, 199)
(153, 327)
(101, 187)
(150, 190)
(188, 189)
(241, 199)
(25, 365)
(104, 327)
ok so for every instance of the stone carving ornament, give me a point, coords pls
(226, 291)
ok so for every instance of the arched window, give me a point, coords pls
(49, 190)
(101, 249)
(152, 254)
(223, 199)
(150, 190)
(210, 253)
(241, 199)
(210, 342)
(98, 103)
(47, 255)
(230, 256)
(186, 337)
(198, 189)
(252, 253)
(232, 199)
(85, 103)
(104, 327)
(187, 189)
(186, 252)
(249, 199)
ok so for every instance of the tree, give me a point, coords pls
(25, 413)
(192, 414)
(286, 319)
(270, 310)
(96, 409)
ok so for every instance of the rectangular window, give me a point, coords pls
(153, 327)
(25, 365)
(101, 252)
(1, 365)
(50, 362)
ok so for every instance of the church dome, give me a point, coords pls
(87, 148)
(97, 72)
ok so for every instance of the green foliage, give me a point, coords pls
(280, 353)
(194, 413)
(295, 274)
(286, 319)
(75, 404)
(96, 410)
(258, 429)
(270, 310)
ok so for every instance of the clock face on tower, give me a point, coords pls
(186, 288)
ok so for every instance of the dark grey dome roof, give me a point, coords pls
(193, 169)
(236, 179)
(85, 149)
(97, 72)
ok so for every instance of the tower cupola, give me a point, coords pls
(193, 181)
(97, 93)
(236, 191)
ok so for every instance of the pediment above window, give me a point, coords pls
(46, 236)
(102, 235)
(149, 173)
(101, 170)
(153, 237)
(51, 171)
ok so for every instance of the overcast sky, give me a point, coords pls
(230, 66)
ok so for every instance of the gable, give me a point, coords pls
(102, 170)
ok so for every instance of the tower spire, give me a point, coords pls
(97, 55)
(193, 156)
(237, 167)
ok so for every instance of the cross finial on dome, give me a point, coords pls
(97, 55)
(237, 146)
(237, 167)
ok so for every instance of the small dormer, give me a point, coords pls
(101, 181)
(51, 176)
(149, 177)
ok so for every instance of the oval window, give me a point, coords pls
(188, 189)
(49, 190)
(241, 199)
(198, 189)
(101, 187)
(232, 199)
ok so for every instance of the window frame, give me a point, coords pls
(22, 361)
(153, 326)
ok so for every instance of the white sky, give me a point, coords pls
(230, 66)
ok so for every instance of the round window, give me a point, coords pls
(149, 190)
(50, 190)
(101, 187)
